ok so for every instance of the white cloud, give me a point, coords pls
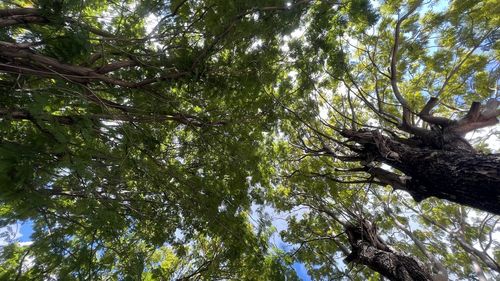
(10, 233)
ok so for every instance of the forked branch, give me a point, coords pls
(426, 115)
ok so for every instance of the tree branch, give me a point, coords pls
(427, 117)
(406, 125)
(478, 117)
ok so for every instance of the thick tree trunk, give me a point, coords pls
(464, 178)
(368, 249)
(460, 176)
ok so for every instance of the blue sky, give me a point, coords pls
(26, 231)
(301, 271)
(22, 232)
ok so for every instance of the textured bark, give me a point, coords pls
(21, 16)
(465, 178)
(460, 175)
(368, 249)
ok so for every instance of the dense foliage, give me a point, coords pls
(140, 137)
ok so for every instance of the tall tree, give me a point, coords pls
(400, 71)
(127, 126)
(373, 127)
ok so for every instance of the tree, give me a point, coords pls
(120, 137)
(429, 151)
(136, 135)
(336, 235)
(379, 131)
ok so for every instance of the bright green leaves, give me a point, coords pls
(137, 145)
(13, 259)
(361, 14)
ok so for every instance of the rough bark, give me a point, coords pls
(369, 249)
(441, 273)
(460, 175)
(438, 161)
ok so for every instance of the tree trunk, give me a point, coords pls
(460, 176)
(465, 178)
(368, 249)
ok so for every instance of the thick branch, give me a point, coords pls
(9, 17)
(388, 178)
(368, 250)
(460, 176)
(18, 11)
(24, 61)
(22, 19)
(442, 272)
(478, 117)
(116, 65)
(425, 114)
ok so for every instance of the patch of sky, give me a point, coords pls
(489, 136)
(279, 223)
(20, 231)
(297, 33)
(26, 231)
(301, 271)
(257, 43)
(9, 234)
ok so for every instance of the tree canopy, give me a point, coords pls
(155, 140)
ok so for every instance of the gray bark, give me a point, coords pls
(368, 249)
(461, 176)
